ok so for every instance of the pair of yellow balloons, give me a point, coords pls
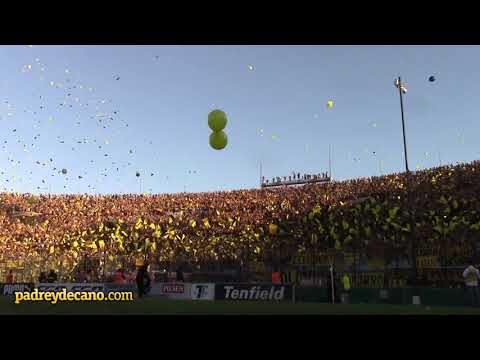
(217, 121)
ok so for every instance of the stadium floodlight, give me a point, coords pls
(402, 90)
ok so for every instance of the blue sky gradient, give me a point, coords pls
(277, 114)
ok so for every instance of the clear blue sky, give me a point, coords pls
(164, 94)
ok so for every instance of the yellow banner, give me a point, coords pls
(428, 262)
(368, 280)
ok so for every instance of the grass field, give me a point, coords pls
(151, 306)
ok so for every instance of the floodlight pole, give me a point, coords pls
(261, 182)
(403, 123)
(330, 161)
(399, 85)
(332, 279)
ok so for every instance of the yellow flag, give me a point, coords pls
(272, 228)
(206, 223)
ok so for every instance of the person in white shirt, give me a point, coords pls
(471, 276)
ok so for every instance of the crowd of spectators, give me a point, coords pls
(440, 208)
(296, 177)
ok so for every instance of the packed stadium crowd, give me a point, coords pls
(437, 208)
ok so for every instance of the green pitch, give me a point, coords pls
(149, 306)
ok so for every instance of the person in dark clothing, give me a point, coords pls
(180, 277)
(147, 280)
(328, 285)
(143, 281)
(42, 278)
(52, 277)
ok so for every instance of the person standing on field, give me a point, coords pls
(471, 276)
(119, 277)
(143, 281)
(9, 277)
(346, 287)
(52, 276)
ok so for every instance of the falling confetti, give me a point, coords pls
(250, 67)
(330, 104)
(64, 171)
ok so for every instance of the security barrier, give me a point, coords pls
(428, 296)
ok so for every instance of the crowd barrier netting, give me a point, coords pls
(374, 269)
